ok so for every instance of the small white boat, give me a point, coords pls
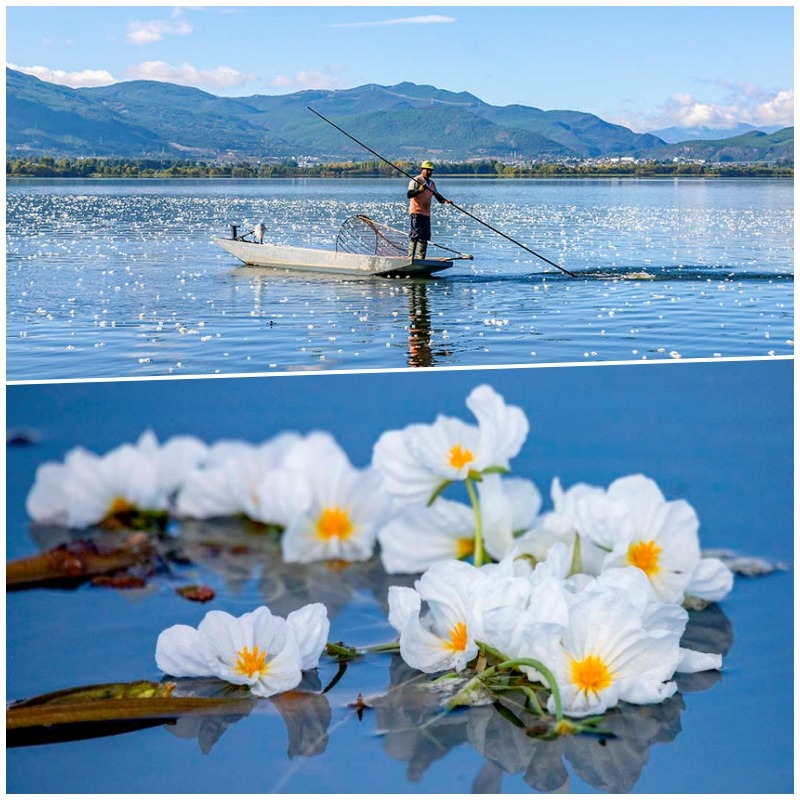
(311, 259)
(363, 247)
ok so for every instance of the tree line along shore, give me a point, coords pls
(53, 167)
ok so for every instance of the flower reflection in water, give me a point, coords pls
(417, 732)
(246, 560)
(246, 556)
(305, 712)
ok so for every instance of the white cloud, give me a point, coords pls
(75, 80)
(779, 110)
(187, 75)
(307, 79)
(431, 19)
(742, 103)
(154, 30)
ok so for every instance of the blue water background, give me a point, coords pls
(115, 278)
(717, 434)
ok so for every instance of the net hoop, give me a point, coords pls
(363, 236)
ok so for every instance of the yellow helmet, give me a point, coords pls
(426, 165)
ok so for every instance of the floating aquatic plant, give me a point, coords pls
(577, 609)
(259, 650)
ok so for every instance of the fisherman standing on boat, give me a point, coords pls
(420, 191)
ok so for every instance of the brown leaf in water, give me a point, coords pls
(199, 594)
(123, 581)
(77, 561)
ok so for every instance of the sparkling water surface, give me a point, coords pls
(716, 434)
(110, 278)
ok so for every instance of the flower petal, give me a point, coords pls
(183, 653)
(310, 626)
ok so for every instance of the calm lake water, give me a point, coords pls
(121, 278)
(717, 434)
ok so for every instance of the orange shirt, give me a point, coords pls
(421, 203)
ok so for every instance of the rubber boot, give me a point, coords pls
(423, 249)
(412, 249)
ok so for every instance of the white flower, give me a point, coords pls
(560, 525)
(87, 489)
(443, 636)
(345, 506)
(619, 643)
(174, 460)
(419, 459)
(422, 536)
(227, 484)
(642, 529)
(311, 627)
(711, 580)
(508, 507)
(521, 617)
(259, 650)
(607, 656)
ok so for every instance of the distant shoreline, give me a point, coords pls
(136, 169)
(210, 179)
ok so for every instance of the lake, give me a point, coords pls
(115, 278)
(716, 434)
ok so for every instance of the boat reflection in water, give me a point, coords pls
(355, 295)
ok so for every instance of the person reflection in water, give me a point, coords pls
(420, 334)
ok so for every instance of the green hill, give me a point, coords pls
(140, 119)
(753, 146)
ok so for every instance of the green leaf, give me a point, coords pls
(115, 702)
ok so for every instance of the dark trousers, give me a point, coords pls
(420, 228)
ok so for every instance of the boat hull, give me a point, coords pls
(307, 259)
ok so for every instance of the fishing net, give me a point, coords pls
(362, 235)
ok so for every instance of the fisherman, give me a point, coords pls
(420, 191)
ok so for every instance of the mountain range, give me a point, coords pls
(137, 119)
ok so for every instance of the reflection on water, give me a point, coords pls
(246, 557)
(418, 733)
(404, 705)
(305, 712)
(115, 278)
(421, 351)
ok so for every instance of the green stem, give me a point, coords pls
(445, 677)
(511, 664)
(342, 650)
(548, 676)
(576, 566)
(533, 700)
(339, 649)
(476, 508)
(387, 647)
(491, 651)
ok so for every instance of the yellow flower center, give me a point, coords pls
(117, 511)
(591, 674)
(458, 637)
(645, 556)
(251, 662)
(464, 548)
(459, 456)
(334, 523)
(119, 505)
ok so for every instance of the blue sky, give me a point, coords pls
(647, 67)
